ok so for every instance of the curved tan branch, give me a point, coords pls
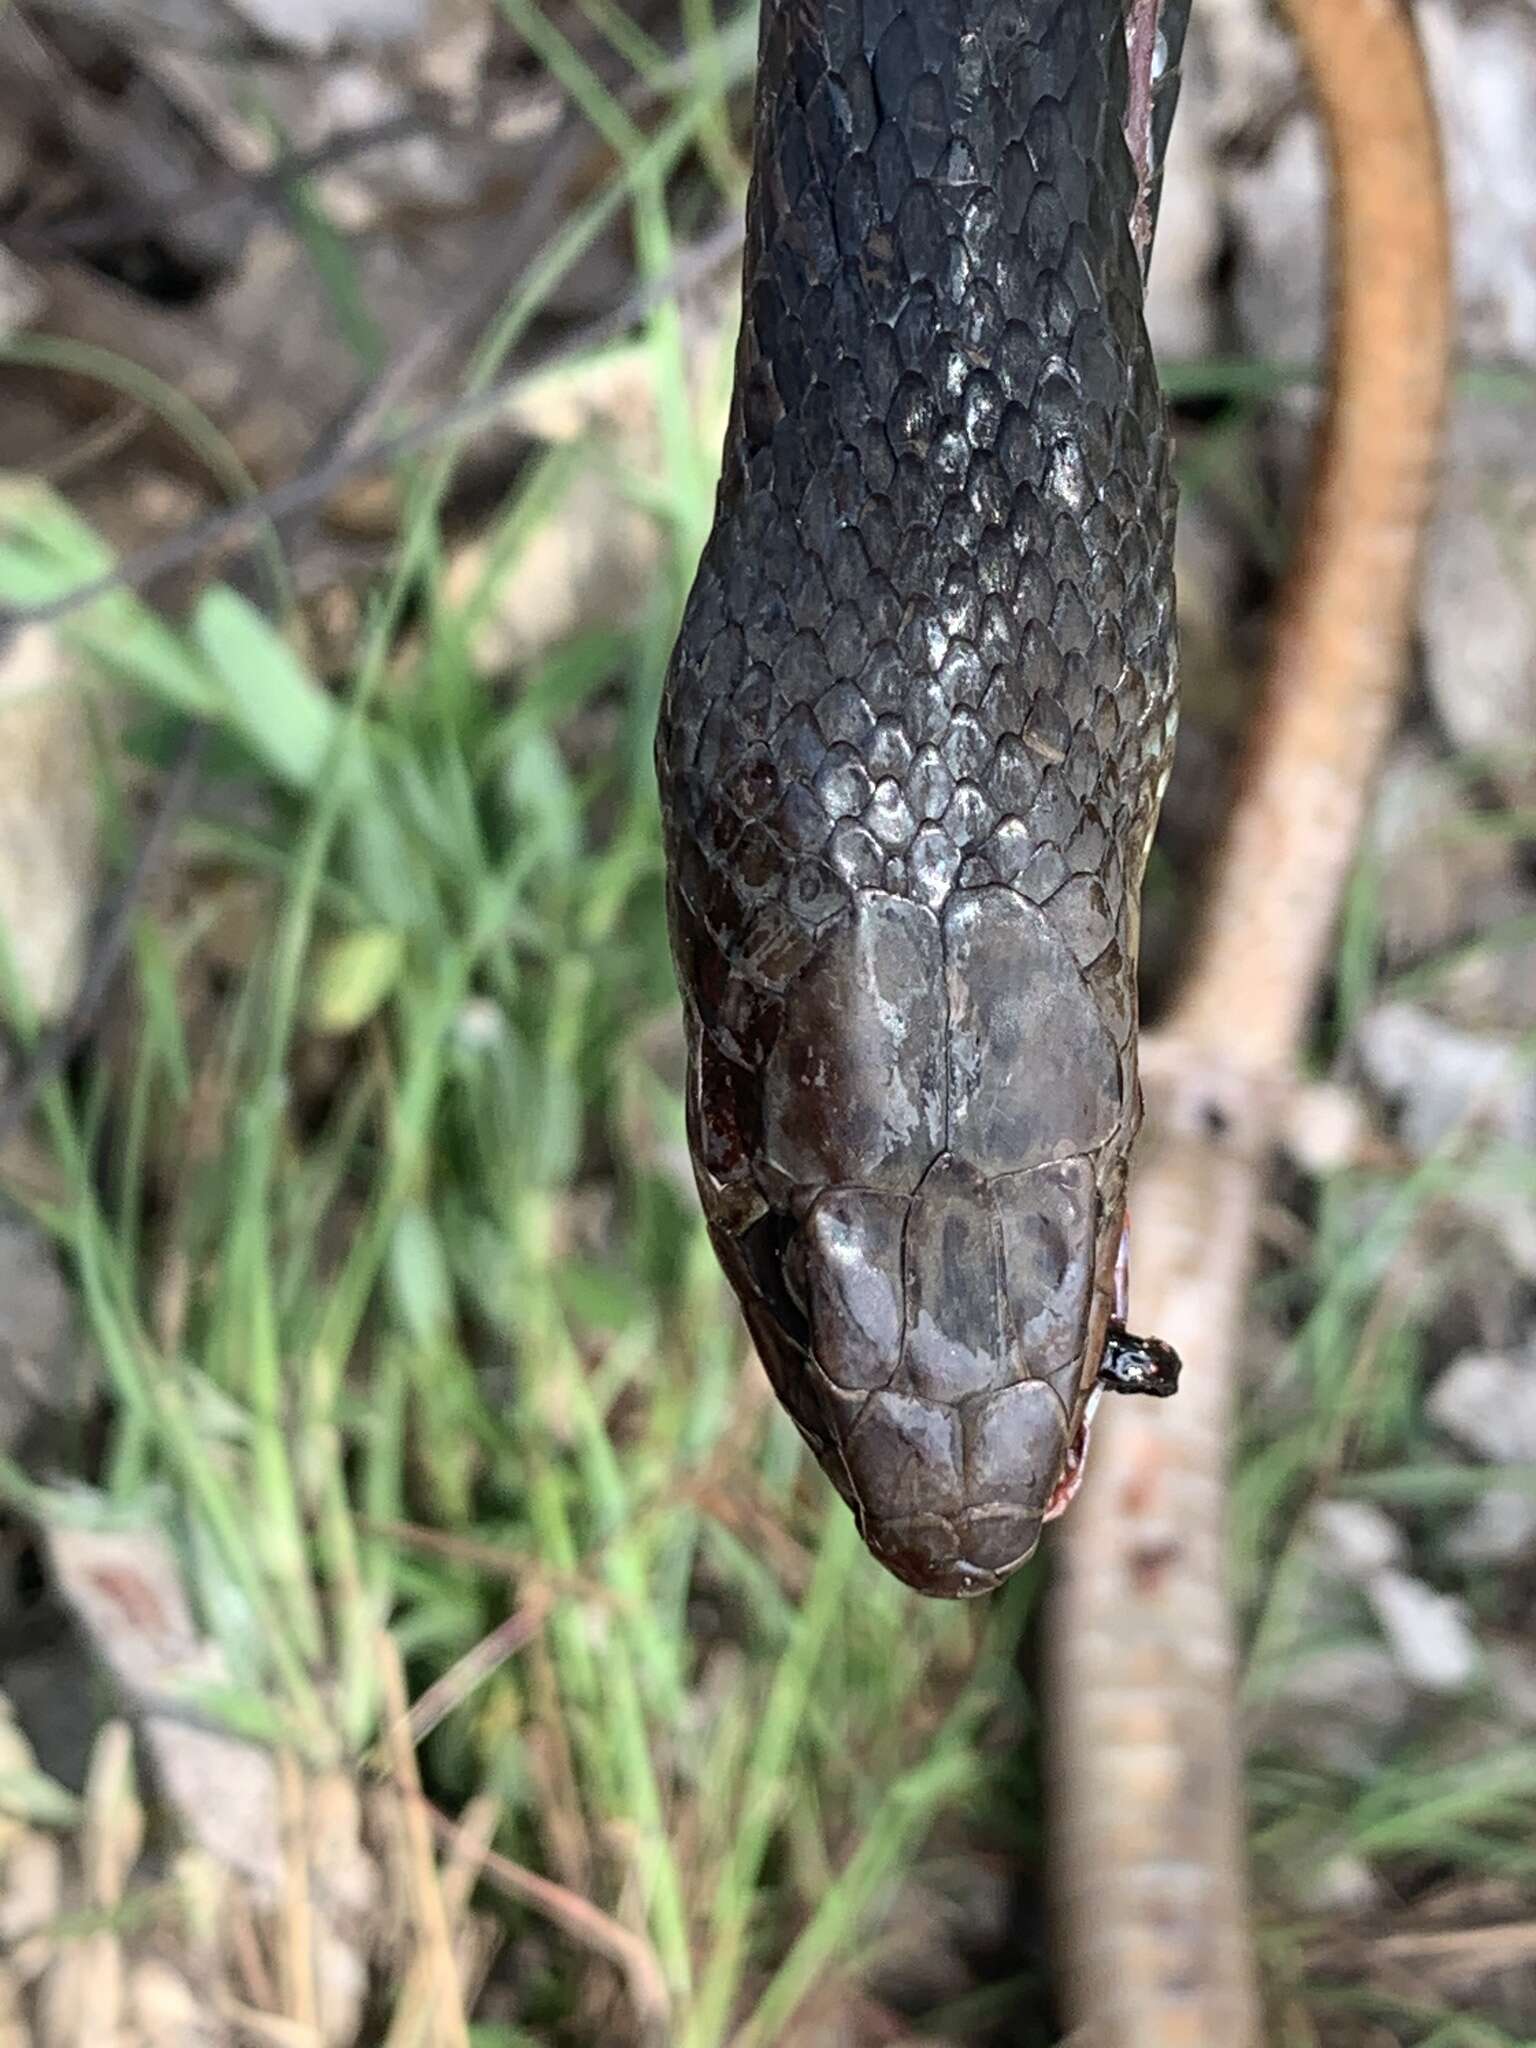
(1145, 1767)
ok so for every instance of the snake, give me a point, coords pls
(913, 741)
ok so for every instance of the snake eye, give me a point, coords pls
(1138, 1365)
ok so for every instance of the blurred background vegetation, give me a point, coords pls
(417, 1624)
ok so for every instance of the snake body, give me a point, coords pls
(914, 739)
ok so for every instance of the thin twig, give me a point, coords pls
(265, 2027)
(248, 191)
(477, 1829)
(313, 485)
(584, 1923)
(296, 1953)
(1146, 1772)
(430, 1911)
(484, 290)
(342, 452)
(476, 1665)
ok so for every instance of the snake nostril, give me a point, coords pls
(955, 1561)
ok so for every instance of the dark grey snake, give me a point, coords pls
(913, 744)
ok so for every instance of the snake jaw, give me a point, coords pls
(1066, 1488)
(1077, 1459)
(1130, 1365)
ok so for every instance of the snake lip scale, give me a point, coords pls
(912, 746)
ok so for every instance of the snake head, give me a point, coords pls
(940, 1352)
(917, 1188)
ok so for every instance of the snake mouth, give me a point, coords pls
(1128, 1365)
(1065, 1490)
(1072, 1473)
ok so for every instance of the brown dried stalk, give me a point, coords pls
(1146, 1770)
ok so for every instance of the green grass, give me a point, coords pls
(451, 1337)
(452, 1330)
(516, 1338)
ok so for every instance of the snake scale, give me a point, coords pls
(912, 746)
